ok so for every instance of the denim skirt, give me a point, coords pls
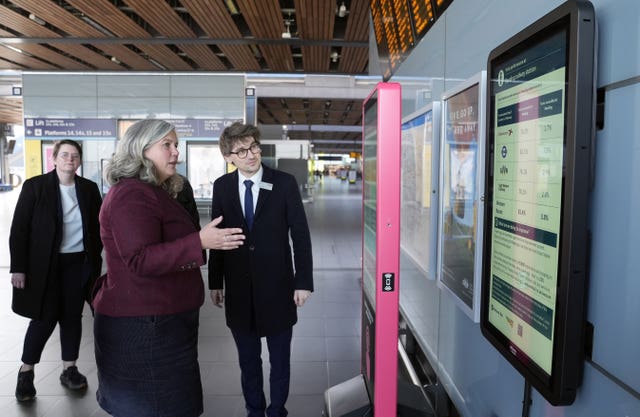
(148, 366)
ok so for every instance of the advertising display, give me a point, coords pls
(419, 204)
(537, 187)
(461, 184)
(380, 247)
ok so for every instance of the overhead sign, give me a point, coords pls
(7, 129)
(53, 129)
(201, 128)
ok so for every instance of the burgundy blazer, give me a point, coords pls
(153, 253)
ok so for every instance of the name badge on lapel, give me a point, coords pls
(266, 185)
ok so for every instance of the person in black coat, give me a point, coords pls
(263, 286)
(186, 198)
(55, 258)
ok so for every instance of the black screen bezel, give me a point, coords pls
(577, 19)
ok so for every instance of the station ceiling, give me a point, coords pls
(317, 37)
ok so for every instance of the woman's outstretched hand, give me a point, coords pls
(211, 237)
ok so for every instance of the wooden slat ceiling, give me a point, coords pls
(194, 35)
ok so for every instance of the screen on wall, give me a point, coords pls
(461, 206)
(540, 118)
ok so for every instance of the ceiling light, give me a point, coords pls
(287, 33)
(97, 26)
(13, 48)
(232, 7)
(334, 56)
(115, 60)
(37, 19)
(342, 10)
(157, 64)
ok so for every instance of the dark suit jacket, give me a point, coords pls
(259, 277)
(36, 234)
(187, 200)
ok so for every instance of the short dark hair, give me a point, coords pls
(57, 145)
(236, 133)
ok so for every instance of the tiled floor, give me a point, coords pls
(326, 342)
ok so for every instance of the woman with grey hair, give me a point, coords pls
(147, 305)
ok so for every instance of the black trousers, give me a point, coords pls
(63, 305)
(249, 355)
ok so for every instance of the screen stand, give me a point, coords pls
(347, 399)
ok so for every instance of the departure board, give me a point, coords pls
(398, 26)
(441, 5)
(423, 16)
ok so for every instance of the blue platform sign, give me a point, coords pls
(56, 129)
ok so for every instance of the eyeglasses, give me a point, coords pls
(242, 153)
(67, 155)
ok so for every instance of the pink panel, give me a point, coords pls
(387, 248)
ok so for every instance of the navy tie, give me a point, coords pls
(248, 203)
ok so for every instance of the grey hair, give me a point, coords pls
(129, 161)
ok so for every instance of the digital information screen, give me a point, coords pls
(370, 186)
(419, 179)
(461, 208)
(534, 275)
(398, 26)
(527, 184)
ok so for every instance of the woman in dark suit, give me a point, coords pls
(147, 306)
(55, 257)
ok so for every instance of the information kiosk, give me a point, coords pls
(378, 383)
(539, 152)
(381, 245)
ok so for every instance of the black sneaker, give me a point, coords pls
(73, 379)
(25, 391)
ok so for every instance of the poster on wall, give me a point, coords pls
(204, 165)
(461, 203)
(419, 187)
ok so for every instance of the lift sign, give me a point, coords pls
(388, 281)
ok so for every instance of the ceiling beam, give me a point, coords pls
(175, 41)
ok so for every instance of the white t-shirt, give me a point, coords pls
(71, 221)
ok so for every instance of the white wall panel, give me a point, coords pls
(60, 107)
(207, 85)
(210, 107)
(619, 27)
(47, 85)
(141, 85)
(134, 108)
(614, 286)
